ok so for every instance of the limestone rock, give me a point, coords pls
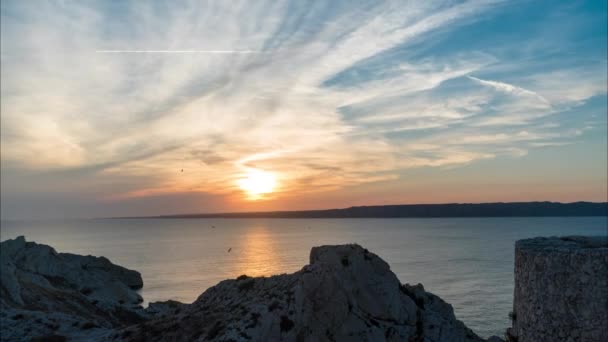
(45, 293)
(345, 294)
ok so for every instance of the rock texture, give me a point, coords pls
(45, 294)
(345, 294)
(561, 290)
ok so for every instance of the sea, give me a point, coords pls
(466, 261)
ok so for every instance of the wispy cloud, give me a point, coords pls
(326, 95)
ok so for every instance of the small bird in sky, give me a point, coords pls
(229, 249)
(182, 170)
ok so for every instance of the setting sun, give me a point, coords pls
(257, 183)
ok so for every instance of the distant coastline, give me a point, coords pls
(498, 209)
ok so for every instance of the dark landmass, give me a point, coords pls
(500, 209)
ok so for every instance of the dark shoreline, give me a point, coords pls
(450, 210)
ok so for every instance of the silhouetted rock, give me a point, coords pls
(162, 309)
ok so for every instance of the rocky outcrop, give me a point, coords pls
(561, 290)
(346, 293)
(44, 293)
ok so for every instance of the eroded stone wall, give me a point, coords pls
(561, 290)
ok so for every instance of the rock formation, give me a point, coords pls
(346, 293)
(44, 293)
(561, 290)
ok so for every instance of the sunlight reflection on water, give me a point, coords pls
(258, 254)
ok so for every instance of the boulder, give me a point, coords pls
(44, 293)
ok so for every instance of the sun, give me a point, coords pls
(257, 183)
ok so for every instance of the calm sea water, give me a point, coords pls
(466, 261)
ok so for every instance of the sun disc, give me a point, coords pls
(257, 183)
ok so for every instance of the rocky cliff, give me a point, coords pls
(346, 293)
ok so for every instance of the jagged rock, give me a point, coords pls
(345, 294)
(162, 309)
(44, 293)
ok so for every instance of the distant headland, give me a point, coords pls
(498, 209)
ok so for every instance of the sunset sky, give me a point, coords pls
(117, 108)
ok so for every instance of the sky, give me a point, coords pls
(120, 108)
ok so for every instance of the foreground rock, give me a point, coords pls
(561, 289)
(345, 294)
(45, 294)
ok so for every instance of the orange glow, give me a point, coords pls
(257, 183)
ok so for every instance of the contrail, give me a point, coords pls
(180, 51)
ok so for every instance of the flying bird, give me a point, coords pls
(229, 249)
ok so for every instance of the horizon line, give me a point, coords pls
(231, 213)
